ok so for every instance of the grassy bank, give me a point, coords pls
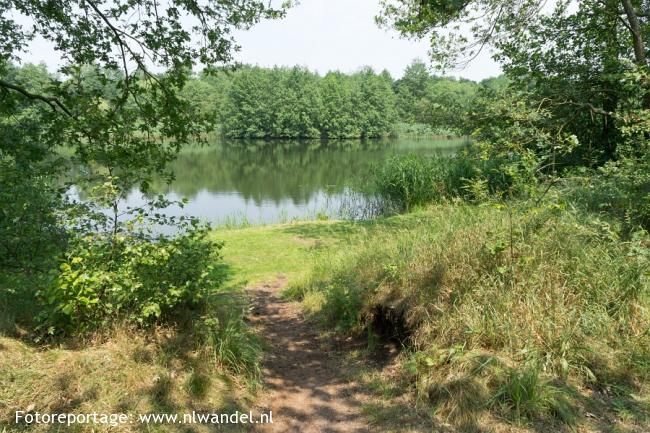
(536, 318)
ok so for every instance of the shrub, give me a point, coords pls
(31, 233)
(128, 277)
(620, 188)
(425, 130)
(17, 304)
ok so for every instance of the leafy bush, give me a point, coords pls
(130, 278)
(620, 188)
(31, 233)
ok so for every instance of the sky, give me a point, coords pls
(323, 35)
(340, 34)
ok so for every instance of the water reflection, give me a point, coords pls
(276, 181)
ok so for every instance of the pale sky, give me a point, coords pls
(323, 35)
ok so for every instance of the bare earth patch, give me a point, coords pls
(305, 384)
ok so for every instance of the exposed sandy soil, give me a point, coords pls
(305, 384)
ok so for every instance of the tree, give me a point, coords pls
(337, 117)
(247, 111)
(141, 123)
(459, 30)
(574, 58)
(376, 104)
(411, 90)
(294, 103)
(123, 121)
(206, 94)
(432, 100)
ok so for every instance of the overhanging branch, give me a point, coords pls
(53, 102)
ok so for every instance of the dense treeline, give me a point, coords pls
(290, 103)
(282, 102)
(255, 102)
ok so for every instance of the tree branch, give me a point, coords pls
(123, 45)
(53, 102)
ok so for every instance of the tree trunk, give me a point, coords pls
(637, 42)
(637, 36)
(609, 135)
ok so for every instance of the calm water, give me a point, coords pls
(278, 181)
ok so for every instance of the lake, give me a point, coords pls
(256, 182)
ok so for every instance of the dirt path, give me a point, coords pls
(303, 375)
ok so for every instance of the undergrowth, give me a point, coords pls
(528, 314)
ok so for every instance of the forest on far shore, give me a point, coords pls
(294, 102)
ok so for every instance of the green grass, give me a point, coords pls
(256, 254)
(526, 321)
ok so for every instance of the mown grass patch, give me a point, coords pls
(255, 254)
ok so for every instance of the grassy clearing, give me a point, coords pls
(255, 254)
(541, 323)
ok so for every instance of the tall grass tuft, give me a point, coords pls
(525, 395)
(228, 339)
(407, 181)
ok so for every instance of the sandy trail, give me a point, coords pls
(305, 386)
